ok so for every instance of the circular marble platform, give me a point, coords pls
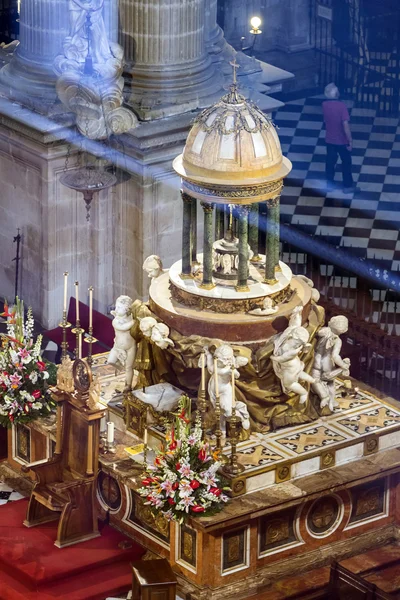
(225, 289)
(230, 327)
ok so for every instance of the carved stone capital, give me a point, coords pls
(185, 197)
(242, 210)
(207, 206)
(273, 201)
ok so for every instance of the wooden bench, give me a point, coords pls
(102, 330)
(345, 585)
(153, 580)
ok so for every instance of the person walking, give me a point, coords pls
(337, 137)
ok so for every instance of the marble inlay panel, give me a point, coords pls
(374, 419)
(311, 438)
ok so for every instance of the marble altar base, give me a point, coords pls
(340, 496)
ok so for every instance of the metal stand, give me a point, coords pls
(90, 340)
(77, 330)
(233, 467)
(202, 406)
(65, 325)
(110, 447)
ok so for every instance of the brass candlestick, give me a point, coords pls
(90, 340)
(65, 325)
(202, 405)
(77, 330)
(233, 467)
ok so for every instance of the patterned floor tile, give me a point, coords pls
(371, 420)
(375, 155)
(310, 439)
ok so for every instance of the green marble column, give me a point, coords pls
(243, 266)
(219, 221)
(277, 234)
(253, 231)
(207, 282)
(186, 235)
(272, 240)
(193, 231)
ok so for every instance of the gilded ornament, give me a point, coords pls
(277, 530)
(65, 378)
(233, 551)
(229, 194)
(369, 501)
(187, 546)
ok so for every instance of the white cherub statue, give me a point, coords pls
(328, 363)
(156, 332)
(226, 362)
(286, 362)
(123, 353)
(267, 309)
(153, 266)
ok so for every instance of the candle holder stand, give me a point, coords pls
(233, 467)
(202, 406)
(77, 330)
(64, 325)
(222, 458)
(90, 340)
(145, 451)
(110, 447)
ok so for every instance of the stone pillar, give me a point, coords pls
(30, 75)
(193, 231)
(253, 231)
(207, 282)
(186, 236)
(277, 234)
(214, 35)
(272, 240)
(243, 266)
(219, 221)
(165, 51)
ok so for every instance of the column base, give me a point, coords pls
(278, 269)
(186, 276)
(242, 288)
(271, 281)
(256, 258)
(207, 286)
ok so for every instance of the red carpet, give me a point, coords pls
(32, 568)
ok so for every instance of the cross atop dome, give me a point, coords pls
(235, 66)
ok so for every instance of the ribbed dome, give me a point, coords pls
(232, 140)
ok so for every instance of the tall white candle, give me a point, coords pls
(65, 290)
(110, 432)
(145, 435)
(216, 377)
(203, 371)
(233, 391)
(80, 346)
(103, 424)
(90, 306)
(77, 299)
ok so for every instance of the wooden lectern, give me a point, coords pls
(66, 484)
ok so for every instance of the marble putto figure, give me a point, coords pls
(123, 353)
(328, 364)
(286, 361)
(226, 362)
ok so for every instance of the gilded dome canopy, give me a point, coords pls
(230, 141)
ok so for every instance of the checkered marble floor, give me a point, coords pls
(369, 219)
(7, 494)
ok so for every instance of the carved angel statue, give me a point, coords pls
(286, 362)
(226, 361)
(157, 332)
(267, 309)
(65, 378)
(94, 393)
(315, 295)
(123, 353)
(328, 363)
(153, 266)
